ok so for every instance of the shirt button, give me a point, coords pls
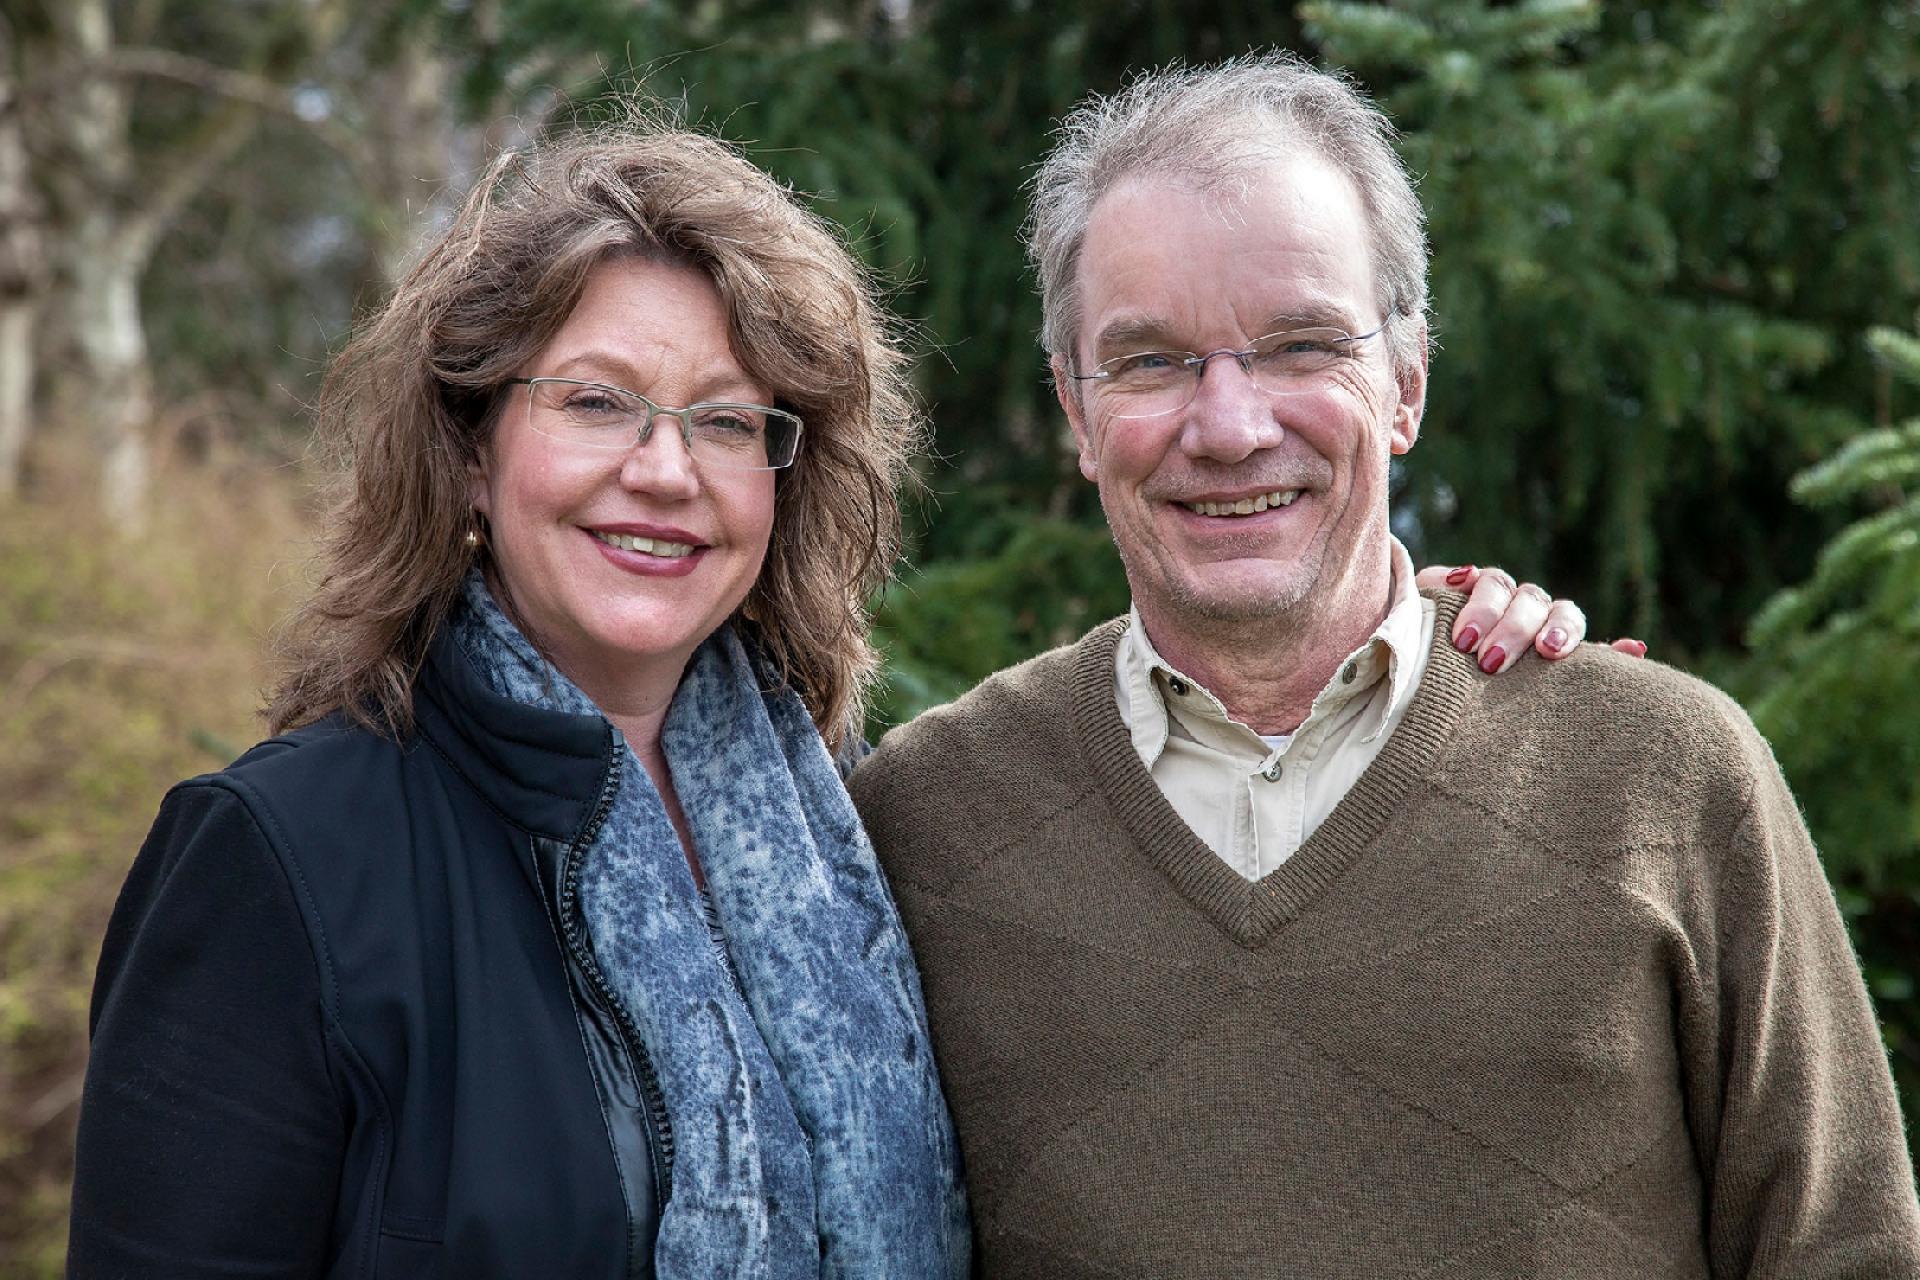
(1272, 772)
(1178, 686)
(1353, 669)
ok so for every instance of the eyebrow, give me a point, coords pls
(1314, 315)
(1130, 334)
(616, 371)
(598, 366)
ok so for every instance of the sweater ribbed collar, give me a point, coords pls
(1251, 912)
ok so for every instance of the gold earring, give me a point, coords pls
(472, 539)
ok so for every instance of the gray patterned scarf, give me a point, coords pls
(810, 1134)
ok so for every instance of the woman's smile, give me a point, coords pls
(649, 550)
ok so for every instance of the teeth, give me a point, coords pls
(1246, 506)
(651, 546)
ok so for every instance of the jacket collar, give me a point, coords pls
(543, 770)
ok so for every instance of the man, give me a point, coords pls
(1263, 935)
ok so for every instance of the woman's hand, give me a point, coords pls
(1501, 618)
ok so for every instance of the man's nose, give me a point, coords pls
(1230, 417)
(659, 462)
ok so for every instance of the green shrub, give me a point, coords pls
(123, 659)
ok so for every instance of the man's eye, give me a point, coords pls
(1306, 344)
(1144, 362)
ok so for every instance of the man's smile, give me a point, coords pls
(1244, 506)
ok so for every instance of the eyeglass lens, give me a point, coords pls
(1154, 382)
(602, 417)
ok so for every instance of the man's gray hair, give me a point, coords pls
(1212, 126)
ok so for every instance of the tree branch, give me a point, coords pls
(184, 68)
(188, 169)
(237, 86)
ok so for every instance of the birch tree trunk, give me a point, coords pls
(114, 394)
(110, 232)
(406, 105)
(17, 316)
(413, 176)
(114, 391)
(113, 211)
(22, 274)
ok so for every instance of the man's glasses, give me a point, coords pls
(594, 415)
(1291, 362)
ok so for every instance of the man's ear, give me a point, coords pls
(1413, 399)
(1067, 392)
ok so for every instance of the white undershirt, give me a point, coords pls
(1254, 800)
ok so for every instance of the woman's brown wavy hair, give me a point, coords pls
(413, 399)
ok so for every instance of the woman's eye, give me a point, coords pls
(594, 404)
(727, 422)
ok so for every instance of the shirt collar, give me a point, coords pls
(1137, 667)
(1395, 643)
(1150, 688)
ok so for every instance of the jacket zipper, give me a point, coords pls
(650, 1091)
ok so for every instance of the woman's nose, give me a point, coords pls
(659, 460)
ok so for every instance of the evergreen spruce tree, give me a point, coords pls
(1655, 227)
(1834, 682)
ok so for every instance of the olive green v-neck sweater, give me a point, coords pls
(1558, 990)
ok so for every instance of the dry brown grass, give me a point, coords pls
(126, 663)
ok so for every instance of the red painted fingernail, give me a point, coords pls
(1556, 639)
(1460, 575)
(1490, 660)
(1468, 638)
(1639, 646)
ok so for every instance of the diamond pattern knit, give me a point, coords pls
(1558, 990)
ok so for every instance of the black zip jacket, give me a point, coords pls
(347, 1021)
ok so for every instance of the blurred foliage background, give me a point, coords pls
(1676, 274)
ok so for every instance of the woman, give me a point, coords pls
(544, 940)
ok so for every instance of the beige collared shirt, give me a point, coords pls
(1255, 800)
